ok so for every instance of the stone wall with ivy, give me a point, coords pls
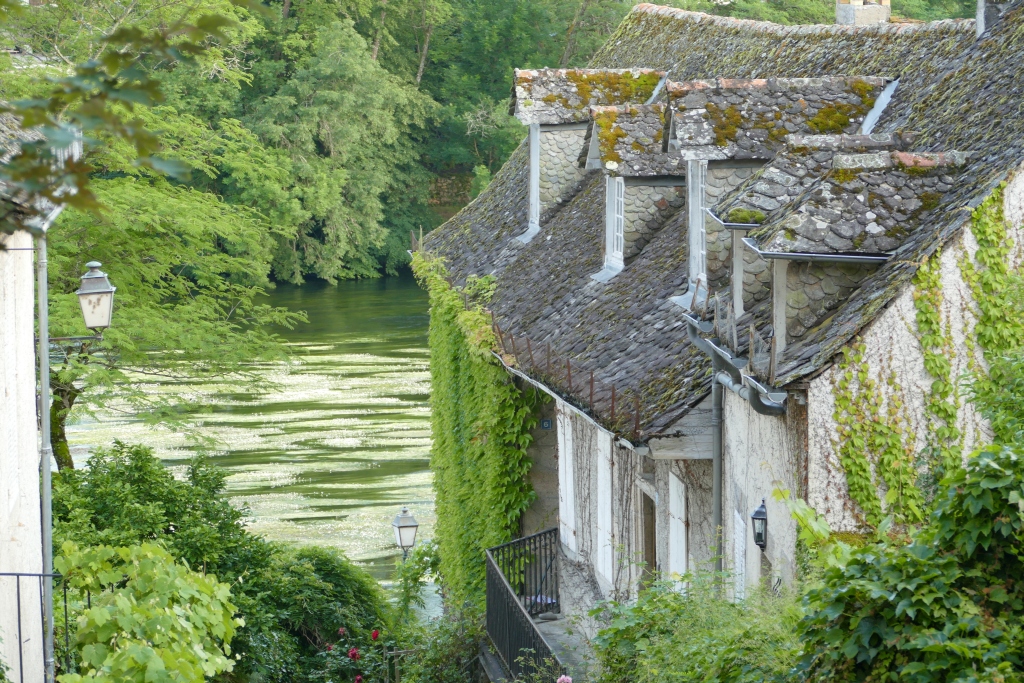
(891, 415)
(480, 422)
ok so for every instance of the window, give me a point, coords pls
(696, 180)
(604, 550)
(566, 483)
(616, 222)
(676, 525)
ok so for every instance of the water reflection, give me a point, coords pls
(329, 455)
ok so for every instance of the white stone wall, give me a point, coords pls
(20, 537)
(559, 164)
(761, 453)
(646, 210)
(892, 345)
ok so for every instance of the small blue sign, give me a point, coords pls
(545, 424)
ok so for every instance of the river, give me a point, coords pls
(342, 440)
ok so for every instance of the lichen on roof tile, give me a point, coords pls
(631, 140)
(555, 96)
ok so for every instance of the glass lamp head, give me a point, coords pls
(96, 297)
(405, 527)
(760, 521)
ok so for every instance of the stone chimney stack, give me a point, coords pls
(862, 12)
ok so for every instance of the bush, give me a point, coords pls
(946, 607)
(447, 649)
(293, 601)
(669, 635)
(149, 619)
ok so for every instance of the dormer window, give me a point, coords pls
(614, 229)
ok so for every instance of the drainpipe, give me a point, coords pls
(726, 374)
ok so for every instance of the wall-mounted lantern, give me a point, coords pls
(405, 527)
(96, 297)
(760, 522)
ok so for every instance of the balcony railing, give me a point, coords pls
(25, 593)
(522, 582)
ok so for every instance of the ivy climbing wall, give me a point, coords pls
(891, 415)
(481, 426)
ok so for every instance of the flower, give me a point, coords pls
(329, 647)
(341, 631)
(376, 634)
(359, 679)
(353, 653)
(563, 679)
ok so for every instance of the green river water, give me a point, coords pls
(330, 454)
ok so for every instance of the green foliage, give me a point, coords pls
(481, 179)
(150, 620)
(481, 424)
(423, 562)
(691, 635)
(448, 647)
(943, 401)
(293, 600)
(870, 426)
(947, 607)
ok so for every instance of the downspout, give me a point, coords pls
(725, 375)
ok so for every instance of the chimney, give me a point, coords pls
(862, 12)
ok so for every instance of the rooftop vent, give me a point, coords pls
(862, 12)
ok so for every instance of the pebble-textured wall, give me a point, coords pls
(815, 289)
(757, 278)
(559, 164)
(646, 210)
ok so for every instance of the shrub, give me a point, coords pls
(292, 600)
(946, 607)
(149, 620)
(669, 635)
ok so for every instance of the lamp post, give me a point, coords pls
(405, 527)
(759, 518)
(96, 297)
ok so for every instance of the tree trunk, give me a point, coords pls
(287, 8)
(380, 30)
(64, 396)
(423, 54)
(570, 34)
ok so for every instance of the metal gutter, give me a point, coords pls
(808, 256)
(558, 397)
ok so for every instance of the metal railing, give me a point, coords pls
(65, 661)
(522, 582)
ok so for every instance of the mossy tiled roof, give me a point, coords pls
(630, 140)
(555, 96)
(954, 93)
(750, 118)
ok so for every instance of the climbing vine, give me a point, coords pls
(480, 422)
(945, 442)
(872, 430)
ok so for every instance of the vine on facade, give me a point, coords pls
(480, 422)
(942, 405)
(872, 446)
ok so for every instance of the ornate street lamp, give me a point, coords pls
(96, 297)
(760, 521)
(405, 527)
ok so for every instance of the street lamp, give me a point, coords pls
(96, 297)
(405, 527)
(760, 521)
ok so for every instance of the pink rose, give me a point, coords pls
(353, 653)
(375, 634)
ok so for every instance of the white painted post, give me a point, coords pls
(737, 272)
(779, 292)
(676, 526)
(566, 481)
(533, 226)
(696, 182)
(21, 537)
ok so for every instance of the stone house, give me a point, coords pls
(712, 250)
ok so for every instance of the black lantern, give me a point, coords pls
(760, 520)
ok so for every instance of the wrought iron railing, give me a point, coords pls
(522, 582)
(33, 584)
